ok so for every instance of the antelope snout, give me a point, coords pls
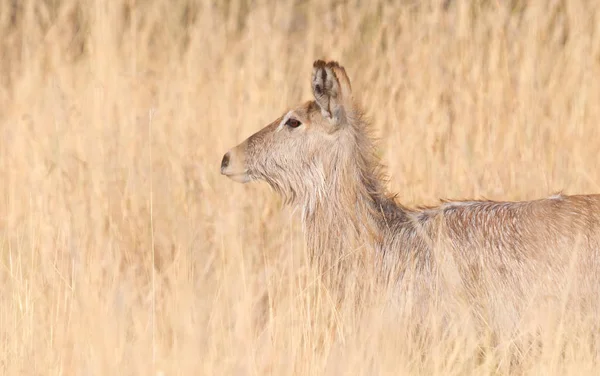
(233, 165)
(224, 163)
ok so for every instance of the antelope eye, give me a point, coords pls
(293, 123)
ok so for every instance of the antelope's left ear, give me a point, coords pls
(332, 90)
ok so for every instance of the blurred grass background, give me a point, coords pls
(123, 250)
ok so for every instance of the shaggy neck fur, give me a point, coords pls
(351, 209)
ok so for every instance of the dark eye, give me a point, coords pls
(293, 123)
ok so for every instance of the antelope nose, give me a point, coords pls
(224, 162)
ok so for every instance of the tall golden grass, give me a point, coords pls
(122, 249)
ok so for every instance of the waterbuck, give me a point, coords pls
(321, 158)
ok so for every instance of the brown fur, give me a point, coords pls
(484, 251)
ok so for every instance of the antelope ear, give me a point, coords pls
(331, 89)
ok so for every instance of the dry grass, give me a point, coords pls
(122, 249)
